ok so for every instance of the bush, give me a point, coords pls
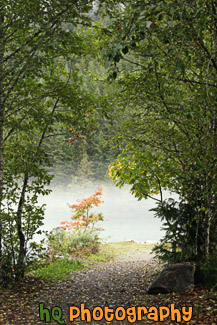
(179, 243)
(179, 223)
(208, 270)
(79, 237)
(67, 243)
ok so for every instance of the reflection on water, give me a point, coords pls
(126, 218)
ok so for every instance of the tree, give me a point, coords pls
(169, 137)
(40, 94)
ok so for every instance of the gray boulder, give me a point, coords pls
(174, 278)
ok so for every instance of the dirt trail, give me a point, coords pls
(121, 282)
(116, 283)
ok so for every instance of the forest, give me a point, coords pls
(99, 90)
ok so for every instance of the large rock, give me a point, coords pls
(174, 278)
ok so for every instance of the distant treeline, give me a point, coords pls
(79, 159)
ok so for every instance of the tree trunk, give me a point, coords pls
(200, 238)
(207, 235)
(1, 129)
(20, 267)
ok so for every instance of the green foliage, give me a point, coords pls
(68, 243)
(180, 226)
(168, 136)
(208, 270)
(179, 243)
(57, 271)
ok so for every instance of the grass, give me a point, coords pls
(103, 255)
(58, 270)
(123, 248)
(112, 251)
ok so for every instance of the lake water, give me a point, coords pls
(126, 218)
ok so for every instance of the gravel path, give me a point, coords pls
(112, 284)
(119, 283)
(108, 285)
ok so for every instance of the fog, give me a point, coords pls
(126, 218)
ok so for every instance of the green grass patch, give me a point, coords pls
(58, 270)
(123, 248)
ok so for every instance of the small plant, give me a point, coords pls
(79, 237)
(82, 219)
